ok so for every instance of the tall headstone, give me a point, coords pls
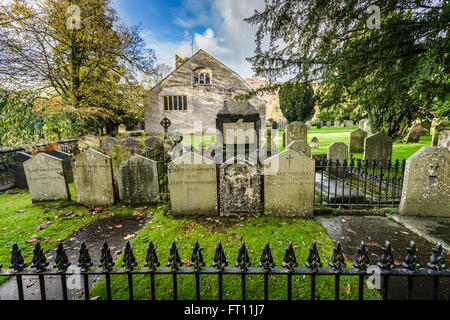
(193, 185)
(426, 183)
(378, 147)
(337, 151)
(239, 125)
(67, 163)
(137, 179)
(93, 178)
(121, 129)
(314, 143)
(349, 124)
(46, 179)
(361, 123)
(20, 180)
(240, 187)
(357, 140)
(441, 135)
(289, 185)
(415, 132)
(301, 147)
(296, 131)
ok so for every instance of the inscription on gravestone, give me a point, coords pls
(289, 185)
(193, 185)
(45, 177)
(93, 178)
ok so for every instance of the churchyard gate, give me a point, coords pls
(384, 269)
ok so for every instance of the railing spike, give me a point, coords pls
(17, 261)
(411, 262)
(220, 260)
(386, 259)
(106, 259)
(243, 260)
(174, 260)
(266, 260)
(129, 261)
(289, 261)
(61, 260)
(39, 261)
(437, 261)
(313, 260)
(151, 260)
(337, 259)
(362, 257)
(84, 259)
(197, 257)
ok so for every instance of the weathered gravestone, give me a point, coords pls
(109, 142)
(378, 147)
(289, 185)
(361, 123)
(349, 124)
(88, 141)
(337, 151)
(441, 135)
(45, 177)
(20, 180)
(314, 143)
(319, 125)
(130, 143)
(239, 125)
(152, 141)
(328, 124)
(121, 129)
(337, 123)
(345, 123)
(93, 178)
(357, 141)
(367, 128)
(308, 124)
(193, 185)
(296, 131)
(137, 179)
(240, 187)
(67, 163)
(426, 183)
(415, 133)
(301, 147)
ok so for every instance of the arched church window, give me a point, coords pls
(202, 79)
(202, 76)
(195, 78)
(207, 79)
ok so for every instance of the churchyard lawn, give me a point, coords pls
(25, 223)
(162, 230)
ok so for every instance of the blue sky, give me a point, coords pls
(216, 26)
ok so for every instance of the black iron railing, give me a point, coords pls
(358, 183)
(435, 268)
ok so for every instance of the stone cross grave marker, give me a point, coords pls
(301, 147)
(357, 141)
(137, 179)
(314, 143)
(289, 185)
(45, 177)
(67, 163)
(20, 180)
(193, 185)
(415, 132)
(426, 183)
(240, 187)
(165, 123)
(378, 147)
(93, 178)
(296, 131)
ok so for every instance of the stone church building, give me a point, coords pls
(195, 91)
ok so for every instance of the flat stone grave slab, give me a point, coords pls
(45, 177)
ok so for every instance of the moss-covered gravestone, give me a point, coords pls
(378, 147)
(296, 131)
(289, 185)
(93, 178)
(46, 179)
(137, 179)
(357, 141)
(426, 183)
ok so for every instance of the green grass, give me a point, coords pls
(208, 231)
(48, 222)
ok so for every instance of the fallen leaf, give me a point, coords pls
(95, 298)
(31, 284)
(348, 289)
(128, 237)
